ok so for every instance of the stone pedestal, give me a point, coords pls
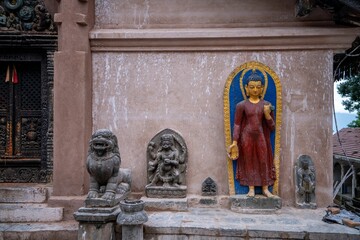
(306, 205)
(165, 204)
(97, 218)
(199, 201)
(258, 204)
(165, 192)
(131, 218)
(92, 231)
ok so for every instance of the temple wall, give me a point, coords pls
(159, 65)
(138, 94)
(139, 14)
(148, 80)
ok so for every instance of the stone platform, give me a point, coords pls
(204, 223)
(27, 204)
(223, 224)
(36, 231)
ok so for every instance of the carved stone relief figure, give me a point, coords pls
(305, 182)
(13, 22)
(167, 156)
(103, 165)
(209, 187)
(42, 19)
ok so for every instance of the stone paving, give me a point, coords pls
(64, 230)
(206, 223)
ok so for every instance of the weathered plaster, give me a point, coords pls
(141, 14)
(138, 94)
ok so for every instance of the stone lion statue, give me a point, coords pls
(103, 165)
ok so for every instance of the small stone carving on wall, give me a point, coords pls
(209, 187)
(166, 165)
(305, 177)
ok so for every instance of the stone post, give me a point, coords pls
(97, 219)
(131, 218)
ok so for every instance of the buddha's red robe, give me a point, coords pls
(255, 166)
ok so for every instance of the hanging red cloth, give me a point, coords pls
(15, 78)
(7, 78)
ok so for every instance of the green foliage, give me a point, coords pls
(350, 89)
(356, 122)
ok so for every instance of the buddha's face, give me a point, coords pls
(254, 89)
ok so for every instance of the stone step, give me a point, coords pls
(38, 194)
(35, 231)
(29, 213)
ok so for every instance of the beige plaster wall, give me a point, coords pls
(138, 94)
(140, 14)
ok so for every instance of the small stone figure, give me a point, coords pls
(209, 187)
(305, 176)
(166, 164)
(103, 165)
(251, 147)
(43, 19)
(13, 22)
